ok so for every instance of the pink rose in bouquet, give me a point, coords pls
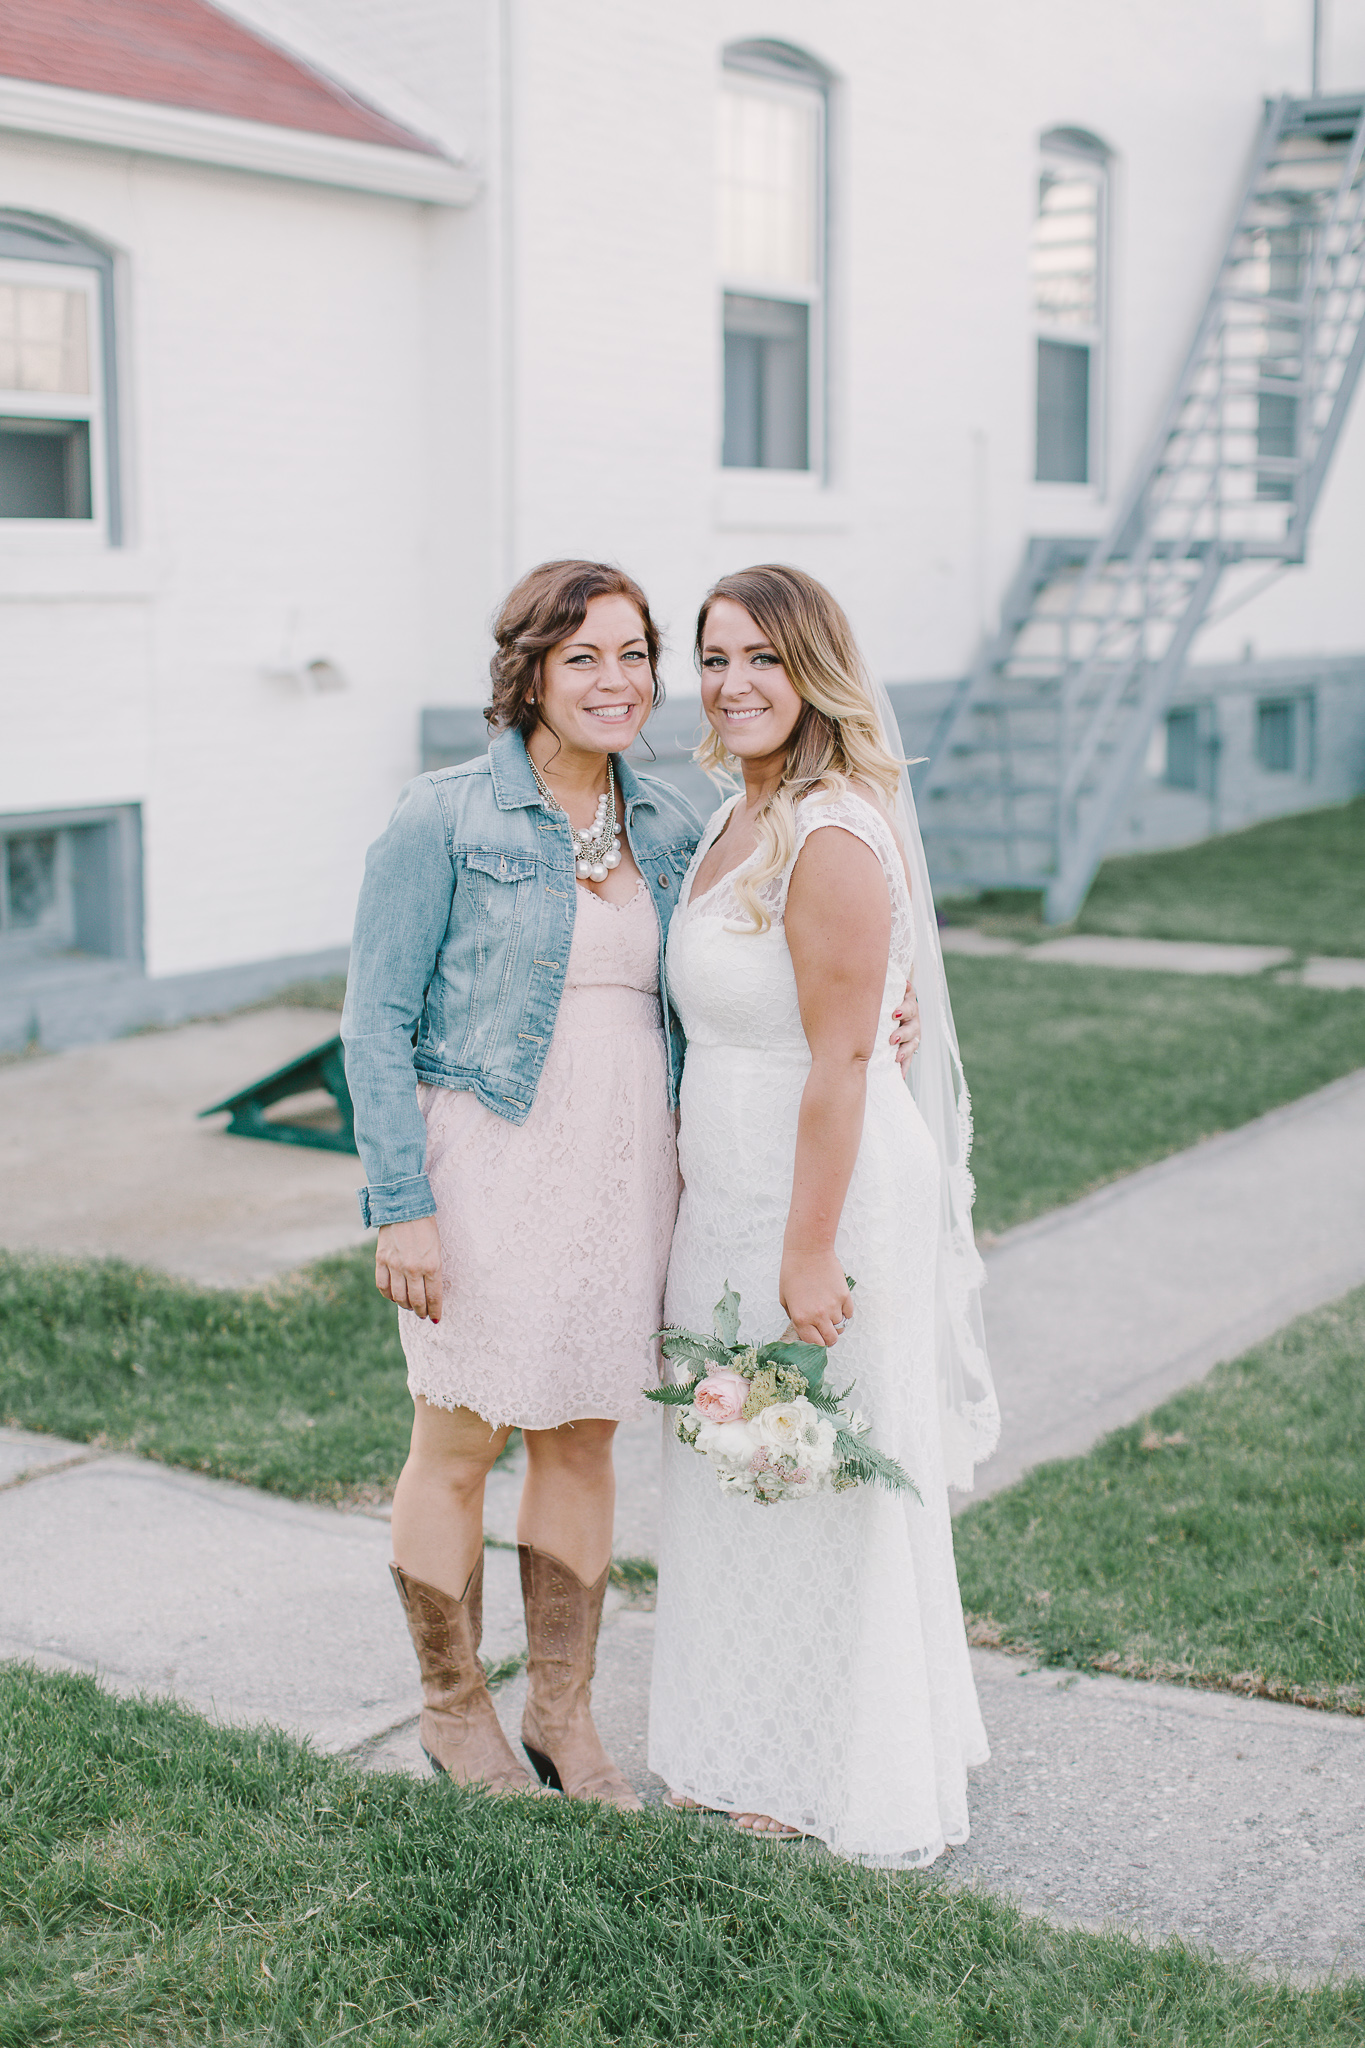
(721, 1396)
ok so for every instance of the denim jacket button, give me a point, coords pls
(663, 881)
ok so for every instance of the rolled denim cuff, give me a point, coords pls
(396, 1201)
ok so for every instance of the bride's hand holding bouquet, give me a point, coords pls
(814, 1290)
(763, 1416)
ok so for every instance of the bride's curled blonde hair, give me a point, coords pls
(837, 739)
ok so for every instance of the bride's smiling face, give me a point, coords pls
(745, 691)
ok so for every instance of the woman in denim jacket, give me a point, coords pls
(508, 954)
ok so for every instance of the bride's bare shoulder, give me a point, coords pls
(840, 788)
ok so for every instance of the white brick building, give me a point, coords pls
(360, 352)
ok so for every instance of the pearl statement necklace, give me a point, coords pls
(597, 850)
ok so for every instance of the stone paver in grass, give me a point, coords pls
(1323, 971)
(1159, 956)
(1164, 956)
(964, 938)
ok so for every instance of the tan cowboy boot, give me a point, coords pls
(562, 1619)
(459, 1729)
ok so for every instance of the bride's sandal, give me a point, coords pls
(764, 1828)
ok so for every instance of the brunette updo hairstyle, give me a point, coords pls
(549, 605)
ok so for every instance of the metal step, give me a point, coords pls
(1094, 635)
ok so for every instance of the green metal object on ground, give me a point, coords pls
(322, 1068)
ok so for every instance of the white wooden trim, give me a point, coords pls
(109, 123)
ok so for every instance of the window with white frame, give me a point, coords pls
(57, 440)
(770, 189)
(1068, 260)
(1285, 735)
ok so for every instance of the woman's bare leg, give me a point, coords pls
(569, 1496)
(438, 1502)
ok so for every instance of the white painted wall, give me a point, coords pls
(276, 369)
(935, 119)
(351, 421)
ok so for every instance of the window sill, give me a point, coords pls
(1057, 511)
(98, 572)
(778, 501)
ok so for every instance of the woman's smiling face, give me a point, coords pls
(596, 689)
(745, 690)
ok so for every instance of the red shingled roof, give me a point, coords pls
(181, 53)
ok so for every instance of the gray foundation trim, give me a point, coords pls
(60, 1002)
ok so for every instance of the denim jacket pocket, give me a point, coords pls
(499, 864)
(502, 931)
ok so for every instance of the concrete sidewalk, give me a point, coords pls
(1238, 1823)
(1099, 1311)
(102, 1155)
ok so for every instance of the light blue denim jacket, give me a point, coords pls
(461, 943)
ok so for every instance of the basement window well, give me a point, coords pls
(71, 882)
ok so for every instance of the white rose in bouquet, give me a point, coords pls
(729, 1445)
(782, 1427)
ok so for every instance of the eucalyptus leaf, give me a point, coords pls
(727, 1316)
(808, 1359)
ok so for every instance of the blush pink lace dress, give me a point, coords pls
(555, 1232)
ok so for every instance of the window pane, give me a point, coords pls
(1063, 413)
(767, 384)
(1276, 431)
(1275, 737)
(31, 878)
(768, 176)
(43, 340)
(1065, 260)
(1182, 749)
(44, 469)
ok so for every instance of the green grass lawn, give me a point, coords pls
(1221, 1541)
(164, 1881)
(1296, 882)
(300, 1389)
(1079, 1074)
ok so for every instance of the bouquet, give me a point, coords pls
(764, 1417)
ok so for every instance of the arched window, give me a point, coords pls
(771, 203)
(58, 396)
(1069, 259)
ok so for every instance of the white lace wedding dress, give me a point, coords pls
(810, 1659)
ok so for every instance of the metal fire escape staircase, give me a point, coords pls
(1036, 750)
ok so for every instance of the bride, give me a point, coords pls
(811, 1673)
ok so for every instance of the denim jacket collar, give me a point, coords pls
(514, 783)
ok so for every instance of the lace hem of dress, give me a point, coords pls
(891, 1859)
(518, 1417)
